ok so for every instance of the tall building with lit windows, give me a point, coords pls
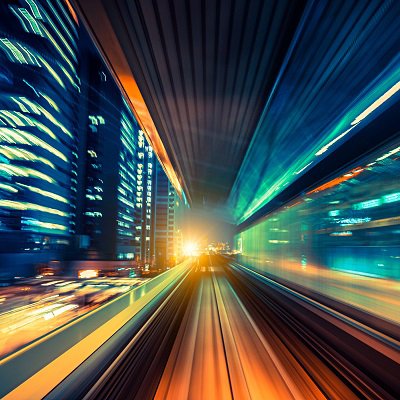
(39, 88)
(168, 236)
(108, 167)
(115, 195)
(78, 179)
(127, 245)
(145, 174)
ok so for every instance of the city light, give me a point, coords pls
(386, 96)
(88, 274)
(207, 209)
(190, 249)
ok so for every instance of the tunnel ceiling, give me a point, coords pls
(205, 69)
(248, 95)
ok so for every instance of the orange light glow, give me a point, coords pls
(143, 116)
(72, 12)
(334, 182)
(190, 249)
(88, 273)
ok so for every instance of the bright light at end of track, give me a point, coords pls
(190, 249)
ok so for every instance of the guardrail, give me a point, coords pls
(37, 368)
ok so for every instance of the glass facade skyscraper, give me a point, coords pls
(127, 246)
(118, 173)
(168, 237)
(100, 104)
(78, 178)
(39, 86)
(145, 199)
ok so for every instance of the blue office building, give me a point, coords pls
(128, 247)
(168, 209)
(115, 173)
(39, 88)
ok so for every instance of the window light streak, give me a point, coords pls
(31, 105)
(24, 27)
(391, 198)
(126, 217)
(20, 105)
(9, 118)
(12, 49)
(127, 146)
(13, 153)
(45, 225)
(50, 101)
(65, 29)
(32, 59)
(9, 188)
(386, 96)
(25, 206)
(326, 147)
(68, 16)
(125, 185)
(15, 117)
(38, 109)
(390, 153)
(45, 193)
(45, 129)
(55, 122)
(34, 8)
(126, 202)
(52, 72)
(27, 83)
(128, 137)
(32, 21)
(28, 121)
(25, 172)
(367, 204)
(67, 74)
(16, 136)
(13, 170)
(59, 49)
(372, 203)
(300, 171)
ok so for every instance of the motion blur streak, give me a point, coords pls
(44, 307)
(338, 238)
(230, 333)
(197, 365)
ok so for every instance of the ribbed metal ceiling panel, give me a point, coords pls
(205, 69)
